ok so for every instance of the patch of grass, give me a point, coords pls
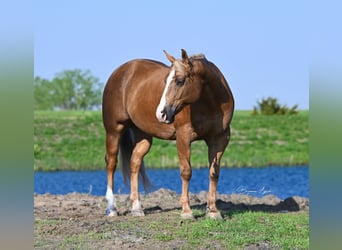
(286, 231)
(237, 230)
(68, 140)
(74, 140)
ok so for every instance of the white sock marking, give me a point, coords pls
(110, 198)
(136, 206)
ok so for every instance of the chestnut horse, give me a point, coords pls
(188, 101)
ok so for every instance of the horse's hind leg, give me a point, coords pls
(112, 148)
(142, 146)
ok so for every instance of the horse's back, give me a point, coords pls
(124, 73)
(125, 84)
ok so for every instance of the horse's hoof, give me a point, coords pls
(111, 213)
(137, 213)
(214, 215)
(187, 216)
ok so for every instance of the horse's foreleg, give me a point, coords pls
(143, 145)
(216, 149)
(183, 147)
(112, 147)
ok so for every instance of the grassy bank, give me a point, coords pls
(74, 140)
(278, 231)
(77, 221)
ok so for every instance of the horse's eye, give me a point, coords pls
(180, 82)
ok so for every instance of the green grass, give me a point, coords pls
(286, 231)
(74, 140)
(237, 230)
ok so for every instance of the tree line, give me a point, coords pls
(68, 90)
(80, 90)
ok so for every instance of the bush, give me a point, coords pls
(270, 106)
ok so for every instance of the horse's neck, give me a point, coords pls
(216, 87)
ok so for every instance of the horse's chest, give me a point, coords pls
(207, 127)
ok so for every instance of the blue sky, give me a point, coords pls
(260, 46)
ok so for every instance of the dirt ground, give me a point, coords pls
(78, 221)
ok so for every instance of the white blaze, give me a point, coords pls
(162, 102)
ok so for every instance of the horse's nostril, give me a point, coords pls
(169, 112)
(163, 113)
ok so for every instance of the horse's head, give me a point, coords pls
(182, 87)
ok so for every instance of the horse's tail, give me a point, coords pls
(126, 149)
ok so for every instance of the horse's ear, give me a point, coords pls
(171, 58)
(185, 58)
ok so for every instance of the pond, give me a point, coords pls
(283, 182)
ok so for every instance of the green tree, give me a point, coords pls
(69, 89)
(43, 94)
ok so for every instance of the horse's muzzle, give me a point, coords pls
(167, 114)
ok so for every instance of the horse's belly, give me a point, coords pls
(155, 128)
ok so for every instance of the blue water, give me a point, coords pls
(283, 182)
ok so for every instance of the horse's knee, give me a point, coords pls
(214, 173)
(186, 173)
(110, 163)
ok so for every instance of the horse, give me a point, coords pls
(187, 101)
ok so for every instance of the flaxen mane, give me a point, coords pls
(197, 56)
